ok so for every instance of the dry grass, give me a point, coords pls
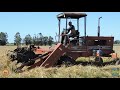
(77, 71)
(117, 50)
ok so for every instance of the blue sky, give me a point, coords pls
(47, 23)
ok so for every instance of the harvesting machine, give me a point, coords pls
(68, 50)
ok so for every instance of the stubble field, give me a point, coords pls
(76, 71)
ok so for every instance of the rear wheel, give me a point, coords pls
(66, 60)
(98, 61)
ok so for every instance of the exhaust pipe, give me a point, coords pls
(99, 26)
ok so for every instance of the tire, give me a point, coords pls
(66, 60)
(98, 61)
(118, 62)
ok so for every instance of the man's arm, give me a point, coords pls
(70, 28)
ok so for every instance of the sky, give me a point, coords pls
(47, 24)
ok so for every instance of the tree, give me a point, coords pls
(40, 39)
(17, 39)
(3, 38)
(37, 40)
(28, 39)
(34, 39)
(45, 40)
(50, 40)
(117, 42)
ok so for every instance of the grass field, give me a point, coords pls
(77, 71)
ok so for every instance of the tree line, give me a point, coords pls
(38, 39)
(117, 42)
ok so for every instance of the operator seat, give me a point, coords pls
(75, 39)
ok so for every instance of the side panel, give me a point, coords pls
(54, 56)
(76, 54)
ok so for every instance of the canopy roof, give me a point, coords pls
(72, 15)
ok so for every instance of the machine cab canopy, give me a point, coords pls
(72, 15)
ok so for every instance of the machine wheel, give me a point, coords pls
(99, 61)
(118, 62)
(66, 60)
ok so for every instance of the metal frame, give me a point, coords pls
(50, 58)
(66, 17)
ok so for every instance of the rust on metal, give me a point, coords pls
(54, 56)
